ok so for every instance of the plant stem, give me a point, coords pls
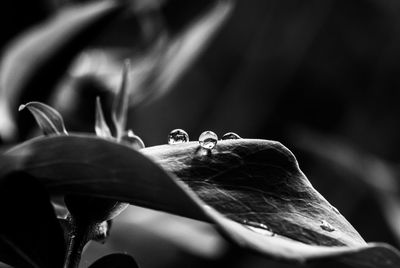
(77, 239)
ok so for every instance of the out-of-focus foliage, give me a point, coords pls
(329, 67)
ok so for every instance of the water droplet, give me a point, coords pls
(259, 228)
(326, 226)
(231, 136)
(335, 210)
(133, 140)
(208, 140)
(177, 136)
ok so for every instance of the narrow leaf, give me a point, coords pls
(156, 70)
(101, 128)
(37, 59)
(49, 119)
(120, 107)
(116, 260)
(30, 235)
(173, 57)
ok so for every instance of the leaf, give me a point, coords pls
(49, 119)
(179, 53)
(88, 165)
(116, 260)
(30, 235)
(153, 72)
(253, 190)
(120, 106)
(377, 176)
(101, 128)
(38, 58)
(176, 56)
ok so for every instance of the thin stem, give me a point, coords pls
(77, 239)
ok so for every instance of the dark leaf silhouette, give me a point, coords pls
(37, 59)
(116, 260)
(30, 235)
(49, 119)
(253, 190)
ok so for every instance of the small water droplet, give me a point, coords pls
(230, 136)
(326, 226)
(178, 136)
(208, 140)
(133, 140)
(259, 228)
(335, 210)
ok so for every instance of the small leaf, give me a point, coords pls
(30, 235)
(49, 119)
(36, 60)
(101, 127)
(120, 106)
(116, 260)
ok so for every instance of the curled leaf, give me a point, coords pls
(258, 184)
(49, 119)
(101, 128)
(89, 165)
(252, 190)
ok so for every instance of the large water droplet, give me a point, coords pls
(326, 226)
(230, 136)
(177, 136)
(208, 140)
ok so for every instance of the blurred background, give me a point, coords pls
(319, 76)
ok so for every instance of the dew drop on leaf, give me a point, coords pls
(259, 228)
(335, 210)
(326, 226)
(230, 136)
(208, 140)
(133, 140)
(178, 136)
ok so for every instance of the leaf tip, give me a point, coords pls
(21, 107)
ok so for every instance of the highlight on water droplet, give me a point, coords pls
(208, 140)
(178, 136)
(230, 136)
(326, 226)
